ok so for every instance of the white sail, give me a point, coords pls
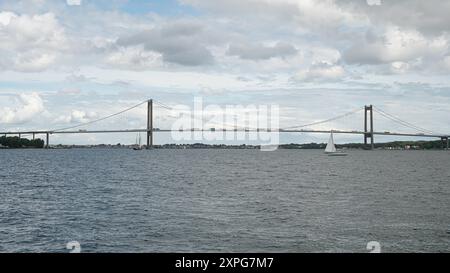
(330, 146)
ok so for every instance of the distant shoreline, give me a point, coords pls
(23, 143)
(397, 145)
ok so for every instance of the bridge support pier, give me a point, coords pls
(445, 142)
(149, 124)
(47, 144)
(368, 134)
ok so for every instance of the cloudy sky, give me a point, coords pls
(63, 62)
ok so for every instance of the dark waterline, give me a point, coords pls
(224, 200)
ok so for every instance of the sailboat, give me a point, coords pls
(138, 143)
(331, 148)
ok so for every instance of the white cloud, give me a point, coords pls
(30, 43)
(321, 72)
(325, 14)
(24, 32)
(428, 17)
(396, 45)
(76, 116)
(5, 17)
(260, 51)
(325, 55)
(33, 61)
(305, 14)
(373, 2)
(29, 106)
(134, 58)
(444, 65)
(183, 42)
(74, 2)
(400, 67)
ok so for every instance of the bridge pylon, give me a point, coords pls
(368, 134)
(445, 142)
(47, 140)
(149, 124)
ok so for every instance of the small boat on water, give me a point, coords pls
(138, 143)
(331, 148)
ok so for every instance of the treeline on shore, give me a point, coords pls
(395, 145)
(16, 142)
(413, 145)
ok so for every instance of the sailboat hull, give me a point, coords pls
(337, 154)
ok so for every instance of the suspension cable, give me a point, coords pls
(299, 126)
(402, 122)
(100, 119)
(325, 121)
(163, 105)
(234, 126)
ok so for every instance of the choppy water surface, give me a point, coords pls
(224, 200)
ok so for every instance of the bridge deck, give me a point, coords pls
(223, 130)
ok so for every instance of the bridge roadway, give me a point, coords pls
(156, 130)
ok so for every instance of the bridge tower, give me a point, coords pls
(368, 134)
(47, 142)
(445, 142)
(149, 124)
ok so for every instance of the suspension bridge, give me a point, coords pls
(368, 131)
